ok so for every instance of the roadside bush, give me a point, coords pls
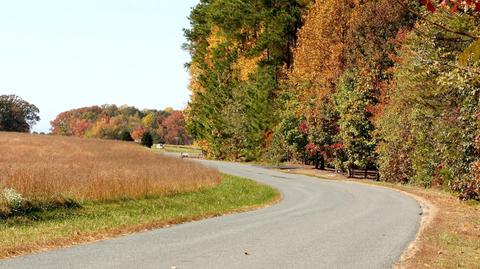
(13, 199)
(158, 138)
(468, 189)
(10, 202)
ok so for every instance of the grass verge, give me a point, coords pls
(95, 220)
(450, 239)
(180, 149)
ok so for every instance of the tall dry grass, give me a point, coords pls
(46, 169)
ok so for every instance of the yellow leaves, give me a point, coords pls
(471, 54)
(203, 145)
(216, 38)
(321, 38)
(195, 86)
(318, 59)
(247, 65)
(149, 120)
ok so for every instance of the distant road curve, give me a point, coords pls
(318, 224)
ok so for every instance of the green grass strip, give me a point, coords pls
(62, 227)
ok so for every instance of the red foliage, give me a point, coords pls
(303, 128)
(311, 149)
(175, 129)
(75, 121)
(336, 146)
(454, 5)
(428, 4)
(80, 126)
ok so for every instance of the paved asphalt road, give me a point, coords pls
(319, 224)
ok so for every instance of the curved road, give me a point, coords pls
(319, 224)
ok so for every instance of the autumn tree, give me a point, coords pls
(76, 121)
(16, 114)
(112, 122)
(352, 100)
(175, 129)
(361, 89)
(290, 135)
(338, 37)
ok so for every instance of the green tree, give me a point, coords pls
(239, 50)
(16, 114)
(125, 136)
(147, 140)
(352, 100)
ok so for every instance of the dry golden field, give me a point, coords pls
(53, 170)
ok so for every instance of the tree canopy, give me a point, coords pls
(122, 123)
(16, 114)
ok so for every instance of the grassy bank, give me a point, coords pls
(98, 220)
(450, 239)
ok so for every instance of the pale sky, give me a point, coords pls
(64, 54)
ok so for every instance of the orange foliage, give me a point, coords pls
(138, 132)
(319, 58)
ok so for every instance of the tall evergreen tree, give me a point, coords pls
(239, 51)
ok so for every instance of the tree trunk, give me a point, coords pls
(322, 162)
(366, 173)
